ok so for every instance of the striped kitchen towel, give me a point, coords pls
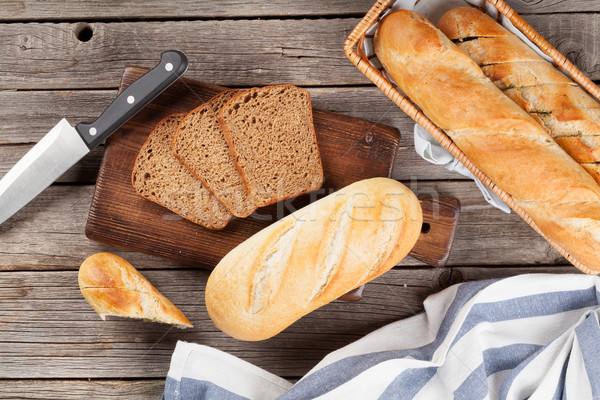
(526, 337)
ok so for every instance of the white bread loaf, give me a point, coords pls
(500, 138)
(312, 257)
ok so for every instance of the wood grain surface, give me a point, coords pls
(51, 342)
(85, 10)
(77, 389)
(54, 331)
(226, 52)
(51, 332)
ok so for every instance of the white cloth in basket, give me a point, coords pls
(433, 152)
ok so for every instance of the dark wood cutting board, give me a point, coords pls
(351, 149)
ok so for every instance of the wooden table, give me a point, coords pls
(66, 58)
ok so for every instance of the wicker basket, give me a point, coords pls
(354, 51)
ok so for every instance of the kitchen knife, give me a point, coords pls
(65, 145)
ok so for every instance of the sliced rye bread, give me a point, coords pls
(271, 135)
(160, 177)
(200, 145)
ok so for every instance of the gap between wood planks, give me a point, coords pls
(113, 19)
(275, 17)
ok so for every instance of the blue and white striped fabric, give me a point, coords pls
(530, 336)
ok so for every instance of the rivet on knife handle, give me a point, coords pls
(141, 92)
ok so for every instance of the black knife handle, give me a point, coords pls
(135, 97)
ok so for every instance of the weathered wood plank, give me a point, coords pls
(80, 389)
(49, 232)
(131, 9)
(55, 10)
(574, 35)
(229, 53)
(553, 6)
(25, 117)
(239, 53)
(49, 331)
(466, 274)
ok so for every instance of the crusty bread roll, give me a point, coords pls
(113, 287)
(312, 257)
(565, 110)
(500, 138)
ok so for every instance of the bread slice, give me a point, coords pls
(271, 135)
(112, 286)
(491, 50)
(160, 177)
(200, 145)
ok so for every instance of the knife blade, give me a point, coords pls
(65, 145)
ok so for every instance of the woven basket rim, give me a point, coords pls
(356, 56)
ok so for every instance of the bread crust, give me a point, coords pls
(494, 50)
(585, 149)
(571, 122)
(500, 138)
(312, 257)
(468, 23)
(112, 286)
(593, 169)
(552, 98)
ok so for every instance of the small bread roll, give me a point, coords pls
(312, 257)
(113, 287)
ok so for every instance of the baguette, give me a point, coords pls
(567, 112)
(312, 257)
(500, 138)
(113, 287)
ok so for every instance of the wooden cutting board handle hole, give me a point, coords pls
(425, 228)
